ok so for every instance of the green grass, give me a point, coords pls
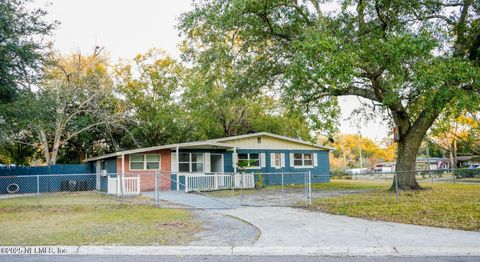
(92, 219)
(340, 184)
(455, 206)
(469, 180)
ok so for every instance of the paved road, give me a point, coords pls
(290, 227)
(79, 258)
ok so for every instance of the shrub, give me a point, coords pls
(466, 173)
(259, 181)
(340, 175)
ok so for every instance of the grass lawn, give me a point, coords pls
(455, 206)
(92, 219)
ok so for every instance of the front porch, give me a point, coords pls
(190, 182)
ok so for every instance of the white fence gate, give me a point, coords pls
(129, 186)
(211, 182)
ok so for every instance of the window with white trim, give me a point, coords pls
(277, 160)
(191, 162)
(144, 162)
(300, 160)
(251, 160)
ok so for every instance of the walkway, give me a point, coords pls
(192, 200)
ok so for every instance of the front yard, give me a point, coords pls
(92, 219)
(455, 206)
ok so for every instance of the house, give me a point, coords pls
(260, 152)
(423, 164)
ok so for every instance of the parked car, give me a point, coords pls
(474, 166)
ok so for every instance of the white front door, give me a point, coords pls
(216, 163)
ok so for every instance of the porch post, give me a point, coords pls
(122, 177)
(233, 160)
(178, 167)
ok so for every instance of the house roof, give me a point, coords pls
(191, 145)
(272, 135)
(219, 143)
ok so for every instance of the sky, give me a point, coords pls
(126, 28)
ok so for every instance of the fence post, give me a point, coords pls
(309, 188)
(122, 180)
(178, 182)
(305, 187)
(241, 188)
(232, 178)
(38, 190)
(396, 187)
(156, 188)
(283, 200)
(215, 182)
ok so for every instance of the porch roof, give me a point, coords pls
(190, 145)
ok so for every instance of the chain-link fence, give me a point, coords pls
(266, 189)
(207, 190)
(346, 184)
(163, 189)
(52, 190)
(458, 175)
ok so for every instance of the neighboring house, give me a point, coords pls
(264, 153)
(356, 171)
(436, 163)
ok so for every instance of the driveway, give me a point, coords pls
(192, 200)
(294, 227)
(291, 227)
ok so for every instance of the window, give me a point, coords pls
(249, 160)
(259, 140)
(184, 162)
(144, 162)
(277, 160)
(152, 162)
(302, 159)
(190, 162)
(197, 162)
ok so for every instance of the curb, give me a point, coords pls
(240, 251)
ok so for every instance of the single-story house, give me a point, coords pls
(436, 163)
(261, 152)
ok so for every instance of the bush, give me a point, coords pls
(466, 173)
(259, 182)
(340, 175)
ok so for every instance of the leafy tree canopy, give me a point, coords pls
(23, 46)
(408, 60)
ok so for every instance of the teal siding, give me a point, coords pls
(320, 173)
(110, 164)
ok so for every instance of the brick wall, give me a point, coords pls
(147, 178)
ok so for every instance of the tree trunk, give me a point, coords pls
(406, 164)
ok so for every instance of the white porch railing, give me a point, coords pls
(211, 182)
(129, 186)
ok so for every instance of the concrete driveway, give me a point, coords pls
(291, 227)
(192, 200)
